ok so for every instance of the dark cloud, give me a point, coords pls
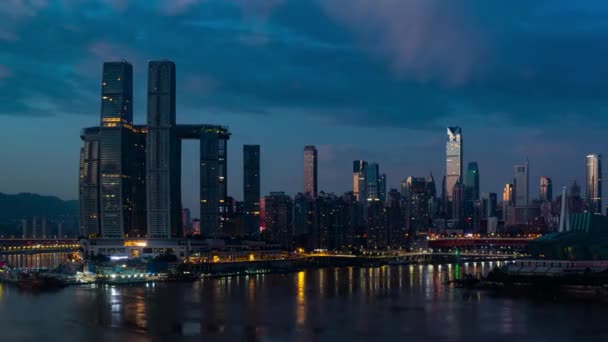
(408, 63)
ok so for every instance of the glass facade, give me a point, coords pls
(453, 160)
(310, 170)
(546, 189)
(88, 189)
(251, 189)
(163, 152)
(593, 194)
(116, 131)
(521, 181)
(359, 185)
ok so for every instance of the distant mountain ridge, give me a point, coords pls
(26, 205)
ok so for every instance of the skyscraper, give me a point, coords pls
(458, 202)
(507, 200)
(521, 181)
(214, 182)
(472, 182)
(372, 173)
(88, 189)
(593, 195)
(453, 166)
(115, 134)
(163, 176)
(546, 189)
(251, 189)
(382, 188)
(310, 170)
(359, 183)
(278, 216)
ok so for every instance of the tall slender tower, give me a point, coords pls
(521, 182)
(88, 189)
(251, 189)
(546, 189)
(593, 195)
(115, 136)
(472, 182)
(310, 170)
(372, 175)
(453, 163)
(162, 153)
(359, 184)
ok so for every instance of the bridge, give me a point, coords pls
(478, 242)
(37, 245)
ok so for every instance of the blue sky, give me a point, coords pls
(361, 79)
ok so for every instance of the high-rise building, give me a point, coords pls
(88, 189)
(521, 182)
(310, 170)
(214, 179)
(186, 221)
(453, 174)
(472, 182)
(251, 189)
(382, 188)
(415, 195)
(593, 194)
(546, 189)
(115, 135)
(163, 176)
(458, 201)
(507, 200)
(372, 174)
(359, 182)
(489, 204)
(278, 209)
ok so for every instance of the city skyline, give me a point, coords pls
(62, 98)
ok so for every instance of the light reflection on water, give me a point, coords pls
(325, 304)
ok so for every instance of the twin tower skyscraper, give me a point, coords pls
(130, 175)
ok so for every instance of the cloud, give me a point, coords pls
(424, 40)
(5, 72)
(177, 7)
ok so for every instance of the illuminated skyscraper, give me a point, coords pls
(507, 200)
(359, 184)
(115, 136)
(453, 164)
(382, 188)
(521, 182)
(593, 195)
(372, 173)
(546, 189)
(251, 189)
(214, 180)
(310, 170)
(89, 182)
(162, 154)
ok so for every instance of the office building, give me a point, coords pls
(382, 188)
(372, 174)
(472, 182)
(507, 200)
(415, 196)
(88, 189)
(593, 182)
(278, 211)
(359, 182)
(214, 181)
(251, 189)
(521, 182)
(546, 189)
(116, 188)
(163, 176)
(310, 170)
(454, 145)
(458, 202)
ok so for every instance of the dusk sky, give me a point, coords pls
(361, 79)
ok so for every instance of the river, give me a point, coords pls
(333, 304)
